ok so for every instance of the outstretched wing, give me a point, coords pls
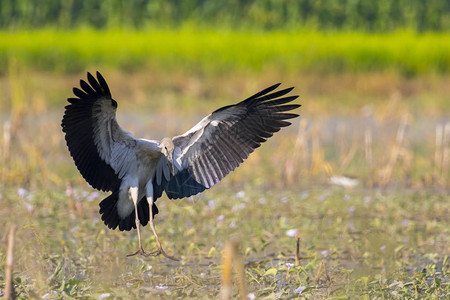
(100, 148)
(223, 140)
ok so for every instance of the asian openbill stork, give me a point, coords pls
(138, 171)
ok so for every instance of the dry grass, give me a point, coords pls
(386, 131)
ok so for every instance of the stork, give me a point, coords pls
(138, 171)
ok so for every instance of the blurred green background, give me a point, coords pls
(363, 176)
(359, 15)
(326, 36)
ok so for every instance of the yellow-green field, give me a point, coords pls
(227, 51)
(375, 110)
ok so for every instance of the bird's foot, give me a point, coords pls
(159, 252)
(140, 251)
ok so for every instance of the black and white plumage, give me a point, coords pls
(138, 171)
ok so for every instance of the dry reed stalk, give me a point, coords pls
(240, 275)
(300, 146)
(349, 157)
(227, 262)
(318, 273)
(9, 287)
(396, 150)
(6, 140)
(438, 150)
(231, 259)
(340, 139)
(446, 153)
(317, 155)
(304, 143)
(18, 89)
(35, 161)
(297, 251)
(5, 149)
(368, 155)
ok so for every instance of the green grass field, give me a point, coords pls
(364, 116)
(228, 51)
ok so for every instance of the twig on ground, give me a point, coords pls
(9, 287)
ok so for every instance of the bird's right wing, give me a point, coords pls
(220, 142)
(101, 149)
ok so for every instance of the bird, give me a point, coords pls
(138, 171)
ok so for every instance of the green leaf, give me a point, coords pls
(211, 251)
(271, 271)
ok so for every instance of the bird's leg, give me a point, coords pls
(158, 243)
(134, 196)
(149, 192)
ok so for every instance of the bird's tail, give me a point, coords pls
(111, 218)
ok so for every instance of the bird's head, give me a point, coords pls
(167, 147)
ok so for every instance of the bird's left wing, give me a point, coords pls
(223, 140)
(101, 149)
